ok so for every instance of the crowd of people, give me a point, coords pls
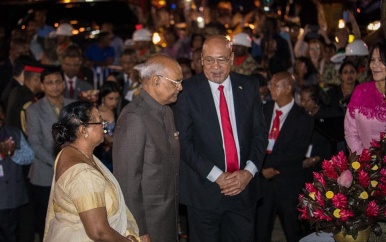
(208, 137)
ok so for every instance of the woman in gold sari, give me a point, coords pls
(86, 201)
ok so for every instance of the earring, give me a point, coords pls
(85, 136)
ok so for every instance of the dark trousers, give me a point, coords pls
(9, 221)
(279, 200)
(41, 196)
(230, 221)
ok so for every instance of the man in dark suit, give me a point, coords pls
(71, 63)
(282, 174)
(223, 139)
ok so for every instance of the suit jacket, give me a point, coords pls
(146, 160)
(80, 85)
(202, 144)
(40, 118)
(290, 147)
(12, 188)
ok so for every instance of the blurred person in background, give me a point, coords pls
(282, 171)
(17, 79)
(14, 153)
(243, 60)
(21, 97)
(63, 38)
(71, 62)
(340, 95)
(17, 47)
(86, 202)
(115, 41)
(40, 117)
(109, 95)
(196, 61)
(185, 64)
(366, 113)
(316, 103)
(142, 44)
(127, 61)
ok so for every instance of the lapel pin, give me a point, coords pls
(176, 134)
(240, 87)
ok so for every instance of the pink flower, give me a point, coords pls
(372, 209)
(339, 200)
(319, 215)
(363, 178)
(329, 169)
(319, 178)
(365, 156)
(345, 214)
(345, 179)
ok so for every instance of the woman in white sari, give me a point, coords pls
(86, 201)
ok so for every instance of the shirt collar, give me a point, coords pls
(226, 84)
(286, 108)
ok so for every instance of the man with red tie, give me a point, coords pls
(290, 129)
(223, 140)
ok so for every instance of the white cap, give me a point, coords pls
(142, 35)
(64, 29)
(357, 47)
(242, 39)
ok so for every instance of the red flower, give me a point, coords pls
(340, 161)
(345, 214)
(319, 178)
(310, 187)
(375, 143)
(319, 199)
(363, 178)
(319, 214)
(304, 213)
(372, 209)
(382, 135)
(339, 200)
(329, 169)
(365, 156)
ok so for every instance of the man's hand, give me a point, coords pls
(222, 180)
(269, 173)
(236, 182)
(145, 238)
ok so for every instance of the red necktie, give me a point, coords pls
(232, 161)
(71, 88)
(275, 126)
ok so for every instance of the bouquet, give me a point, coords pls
(348, 194)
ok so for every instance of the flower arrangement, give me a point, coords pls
(348, 195)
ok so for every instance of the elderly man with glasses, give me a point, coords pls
(223, 140)
(146, 151)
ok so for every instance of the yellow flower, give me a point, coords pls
(374, 168)
(329, 194)
(337, 213)
(312, 195)
(356, 165)
(364, 195)
(374, 183)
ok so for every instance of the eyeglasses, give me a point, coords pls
(208, 61)
(104, 123)
(175, 82)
